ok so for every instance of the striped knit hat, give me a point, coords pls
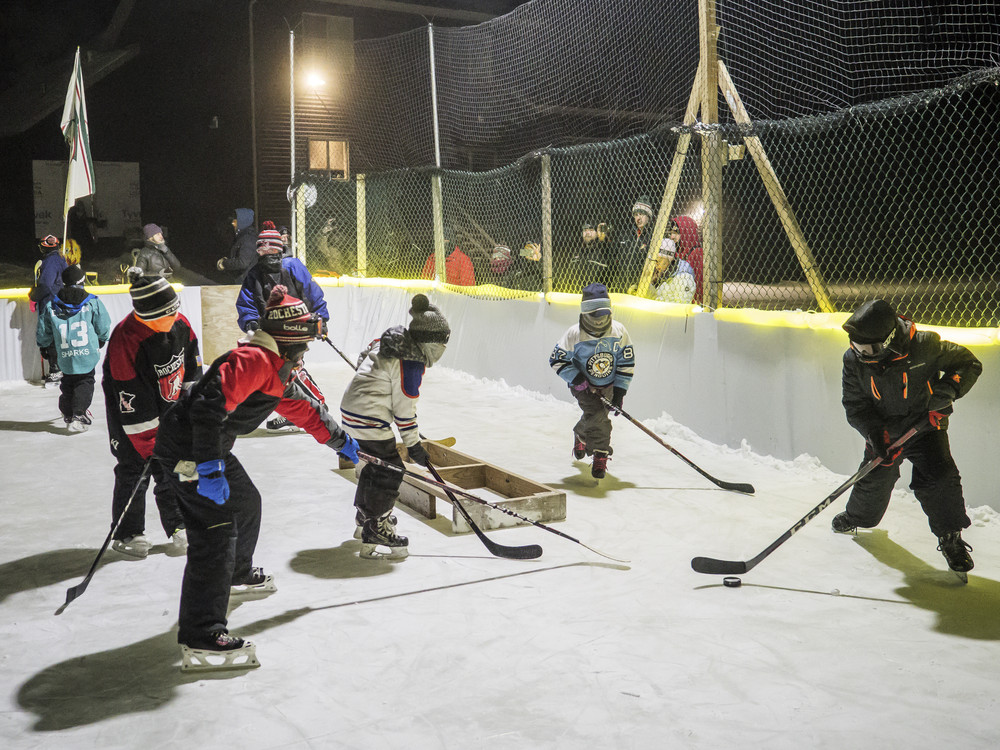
(595, 300)
(288, 319)
(153, 297)
(269, 240)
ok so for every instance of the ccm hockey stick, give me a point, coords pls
(525, 552)
(475, 499)
(75, 591)
(734, 486)
(735, 567)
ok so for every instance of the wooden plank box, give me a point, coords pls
(491, 483)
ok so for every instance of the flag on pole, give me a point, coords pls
(80, 178)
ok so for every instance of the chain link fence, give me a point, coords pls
(820, 201)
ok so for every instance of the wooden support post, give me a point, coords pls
(711, 158)
(299, 251)
(546, 223)
(359, 181)
(437, 205)
(670, 189)
(777, 193)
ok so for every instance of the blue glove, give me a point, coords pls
(349, 449)
(212, 481)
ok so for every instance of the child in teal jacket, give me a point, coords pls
(77, 325)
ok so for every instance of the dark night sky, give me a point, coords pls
(193, 66)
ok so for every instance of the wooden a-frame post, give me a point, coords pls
(711, 77)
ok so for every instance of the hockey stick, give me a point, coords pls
(75, 591)
(734, 486)
(728, 567)
(458, 491)
(342, 355)
(525, 552)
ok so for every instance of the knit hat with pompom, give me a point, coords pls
(428, 324)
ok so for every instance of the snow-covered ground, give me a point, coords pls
(832, 642)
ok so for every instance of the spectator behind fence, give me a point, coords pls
(683, 230)
(673, 278)
(590, 262)
(633, 249)
(525, 271)
(458, 268)
(243, 252)
(335, 249)
(500, 263)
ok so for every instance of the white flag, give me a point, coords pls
(80, 179)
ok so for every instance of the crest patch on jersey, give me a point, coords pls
(125, 402)
(170, 377)
(601, 365)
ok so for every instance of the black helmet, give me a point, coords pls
(876, 331)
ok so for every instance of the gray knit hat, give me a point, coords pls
(643, 206)
(428, 324)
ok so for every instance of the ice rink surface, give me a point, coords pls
(831, 642)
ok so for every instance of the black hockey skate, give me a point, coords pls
(81, 422)
(600, 466)
(359, 521)
(956, 553)
(842, 523)
(379, 531)
(258, 584)
(281, 424)
(218, 650)
(579, 447)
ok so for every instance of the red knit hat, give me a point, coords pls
(288, 320)
(269, 240)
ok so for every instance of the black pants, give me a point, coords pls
(76, 393)
(50, 355)
(127, 473)
(378, 488)
(221, 543)
(936, 483)
(594, 427)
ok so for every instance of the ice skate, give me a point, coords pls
(956, 553)
(257, 585)
(134, 546)
(842, 523)
(379, 531)
(579, 447)
(359, 521)
(52, 379)
(280, 424)
(600, 466)
(178, 543)
(218, 651)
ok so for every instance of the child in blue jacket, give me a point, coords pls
(76, 325)
(596, 359)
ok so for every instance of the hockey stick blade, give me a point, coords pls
(718, 567)
(712, 566)
(526, 552)
(743, 487)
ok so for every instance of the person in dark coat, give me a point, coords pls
(896, 377)
(243, 252)
(590, 263)
(634, 248)
(154, 257)
(48, 282)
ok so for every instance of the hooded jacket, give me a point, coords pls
(269, 271)
(243, 252)
(78, 325)
(895, 394)
(690, 250)
(48, 278)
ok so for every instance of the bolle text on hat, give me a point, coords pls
(287, 319)
(153, 297)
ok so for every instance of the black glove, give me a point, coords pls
(418, 455)
(878, 442)
(323, 329)
(617, 399)
(945, 391)
(579, 383)
(253, 325)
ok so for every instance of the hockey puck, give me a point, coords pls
(732, 582)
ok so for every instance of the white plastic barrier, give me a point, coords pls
(769, 379)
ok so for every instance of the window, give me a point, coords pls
(329, 156)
